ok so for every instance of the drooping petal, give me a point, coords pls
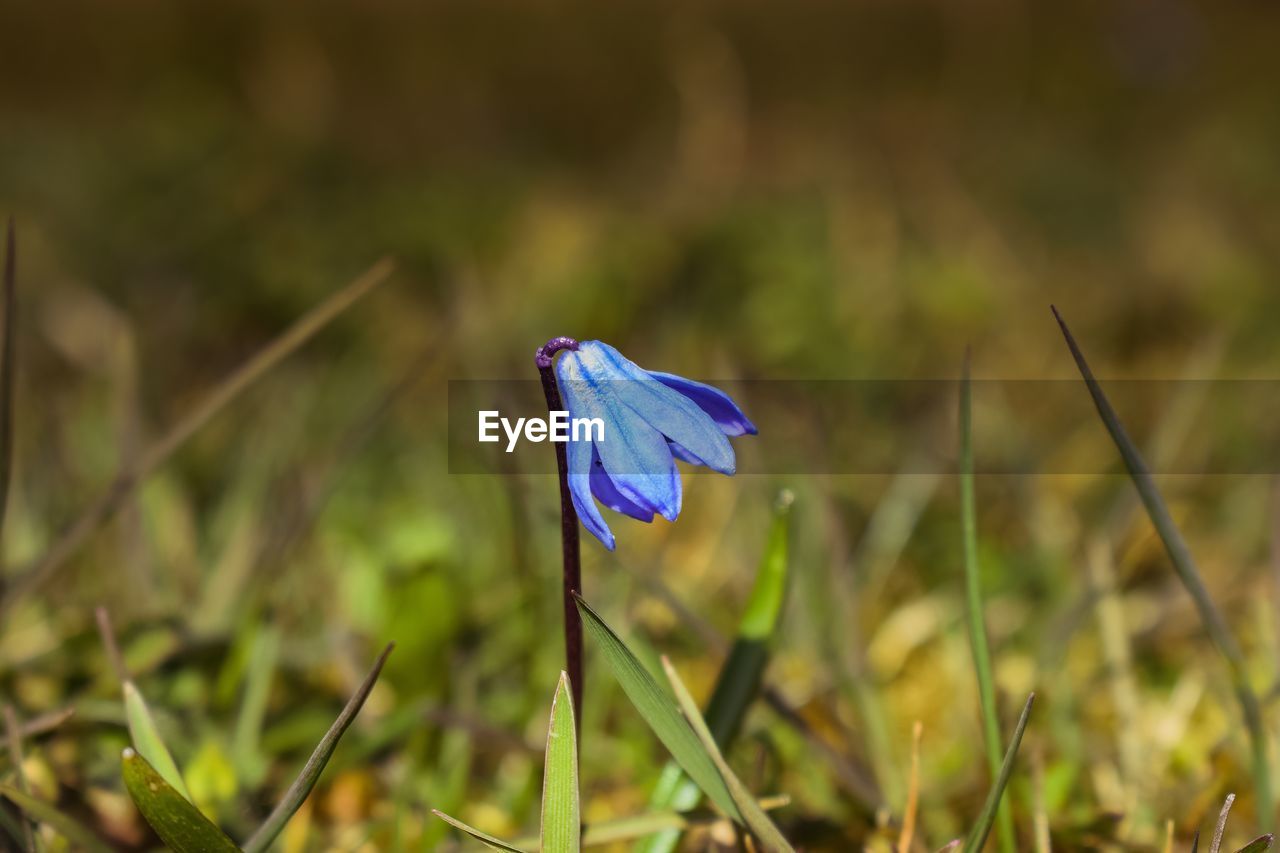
(634, 453)
(580, 455)
(607, 493)
(711, 400)
(682, 454)
(669, 412)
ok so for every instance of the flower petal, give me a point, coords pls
(607, 493)
(634, 453)
(711, 400)
(674, 415)
(682, 454)
(580, 474)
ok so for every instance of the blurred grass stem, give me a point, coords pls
(1185, 566)
(973, 600)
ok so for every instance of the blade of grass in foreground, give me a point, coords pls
(179, 824)
(740, 676)
(482, 837)
(756, 820)
(1257, 845)
(143, 732)
(660, 711)
(978, 836)
(561, 824)
(67, 827)
(973, 601)
(301, 787)
(1185, 566)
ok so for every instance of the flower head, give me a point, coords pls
(650, 420)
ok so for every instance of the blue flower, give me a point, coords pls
(650, 420)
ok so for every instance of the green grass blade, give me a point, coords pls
(301, 787)
(246, 750)
(1257, 845)
(67, 827)
(179, 824)
(660, 711)
(1185, 566)
(978, 837)
(483, 838)
(974, 606)
(561, 823)
(739, 680)
(147, 741)
(1220, 829)
(756, 820)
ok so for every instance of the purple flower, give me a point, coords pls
(647, 421)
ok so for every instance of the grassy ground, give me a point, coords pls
(821, 193)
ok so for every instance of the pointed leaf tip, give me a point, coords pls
(561, 819)
(179, 824)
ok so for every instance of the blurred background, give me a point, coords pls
(726, 191)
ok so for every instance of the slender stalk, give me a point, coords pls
(1185, 566)
(977, 626)
(572, 576)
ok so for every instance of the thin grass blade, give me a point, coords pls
(756, 820)
(978, 642)
(147, 741)
(1221, 827)
(482, 837)
(179, 824)
(301, 787)
(561, 822)
(66, 826)
(738, 683)
(1185, 566)
(978, 836)
(660, 711)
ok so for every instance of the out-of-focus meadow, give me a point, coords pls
(799, 191)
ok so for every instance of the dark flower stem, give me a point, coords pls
(572, 578)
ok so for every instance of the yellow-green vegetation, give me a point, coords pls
(254, 244)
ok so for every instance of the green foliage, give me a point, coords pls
(978, 835)
(147, 740)
(660, 711)
(740, 674)
(561, 820)
(179, 824)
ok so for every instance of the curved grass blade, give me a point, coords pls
(1257, 845)
(974, 607)
(179, 824)
(147, 741)
(659, 710)
(1220, 829)
(753, 816)
(739, 680)
(561, 823)
(978, 836)
(42, 812)
(1185, 566)
(301, 787)
(482, 837)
